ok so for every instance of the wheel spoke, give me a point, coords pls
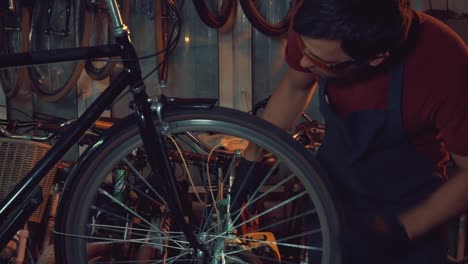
(136, 172)
(294, 215)
(254, 199)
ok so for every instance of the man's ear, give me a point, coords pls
(378, 59)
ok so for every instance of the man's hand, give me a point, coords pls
(449, 201)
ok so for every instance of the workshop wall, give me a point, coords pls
(236, 64)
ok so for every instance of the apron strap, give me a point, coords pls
(394, 100)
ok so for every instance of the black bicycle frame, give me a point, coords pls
(17, 207)
(12, 213)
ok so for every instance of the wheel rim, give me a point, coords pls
(57, 78)
(273, 12)
(12, 40)
(177, 250)
(268, 17)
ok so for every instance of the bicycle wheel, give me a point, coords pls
(14, 32)
(214, 13)
(51, 31)
(114, 210)
(269, 17)
(101, 34)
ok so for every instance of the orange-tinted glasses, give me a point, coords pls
(318, 62)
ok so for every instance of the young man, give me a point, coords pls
(392, 82)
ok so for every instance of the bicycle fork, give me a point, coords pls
(153, 142)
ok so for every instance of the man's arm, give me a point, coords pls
(288, 101)
(450, 200)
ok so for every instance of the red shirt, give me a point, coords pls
(435, 90)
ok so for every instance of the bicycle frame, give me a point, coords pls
(22, 201)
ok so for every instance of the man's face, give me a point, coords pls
(326, 58)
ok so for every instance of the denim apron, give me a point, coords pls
(377, 171)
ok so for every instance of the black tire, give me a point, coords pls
(109, 189)
(55, 81)
(211, 14)
(101, 34)
(263, 20)
(14, 33)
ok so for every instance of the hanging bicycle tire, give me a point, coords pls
(212, 13)
(14, 33)
(101, 34)
(269, 17)
(58, 24)
(113, 204)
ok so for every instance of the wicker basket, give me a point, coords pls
(17, 158)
